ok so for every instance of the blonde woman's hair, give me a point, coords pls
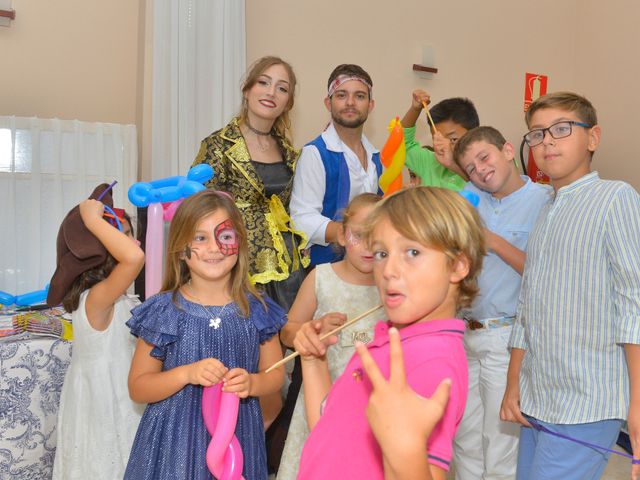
(183, 227)
(440, 219)
(282, 124)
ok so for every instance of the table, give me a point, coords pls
(32, 370)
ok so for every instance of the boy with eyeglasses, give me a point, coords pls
(575, 344)
(452, 117)
(509, 205)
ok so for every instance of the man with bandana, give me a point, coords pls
(337, 165)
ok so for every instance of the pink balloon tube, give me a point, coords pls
(153, 250)
(220, 413)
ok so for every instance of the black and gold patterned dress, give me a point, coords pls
(262, 193)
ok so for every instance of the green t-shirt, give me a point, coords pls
(423, 163)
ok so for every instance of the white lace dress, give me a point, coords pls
(333, 295)
(97, 420)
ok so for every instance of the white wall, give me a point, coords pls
(90, 59)
(482, 50)
(71, 59)
(607, 72)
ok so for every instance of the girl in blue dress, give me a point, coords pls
(208, 325)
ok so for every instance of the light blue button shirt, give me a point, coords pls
(511, 217)
(579, 303)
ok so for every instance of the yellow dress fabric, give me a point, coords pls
(265, 218)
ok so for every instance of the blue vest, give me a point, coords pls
(336, 193)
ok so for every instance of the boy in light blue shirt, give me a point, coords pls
(485, 447)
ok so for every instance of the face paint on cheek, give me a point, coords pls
(353, 238)
(226, 238)
(189, 252)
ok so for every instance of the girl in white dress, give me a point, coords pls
(97, 420)
(331, 294)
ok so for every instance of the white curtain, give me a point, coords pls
(198, 62)
(46, 167)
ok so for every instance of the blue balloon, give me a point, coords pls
(32, 298)
(170, 189)
(6, 298)
(472, 197)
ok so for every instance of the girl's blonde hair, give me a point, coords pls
(183, 227)
(282, 124)
(358, 202)
(440, 219)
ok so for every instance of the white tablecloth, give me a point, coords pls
(32, 370)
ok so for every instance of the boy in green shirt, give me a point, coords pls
(452, 118)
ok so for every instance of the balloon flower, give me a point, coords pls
(164, 194)
(220, 413)
(393, 156)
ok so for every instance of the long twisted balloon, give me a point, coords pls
(220, 414)
(393, 156)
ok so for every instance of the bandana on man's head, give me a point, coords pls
(340, 79)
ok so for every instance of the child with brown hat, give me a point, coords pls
(96, 263)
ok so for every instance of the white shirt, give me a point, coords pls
(309, 183)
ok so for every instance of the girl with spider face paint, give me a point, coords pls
(209, 325)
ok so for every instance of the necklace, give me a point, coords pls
(262, 138)
(255, 130)
(214, 322)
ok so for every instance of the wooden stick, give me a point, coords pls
(429, 119)
(322, 337)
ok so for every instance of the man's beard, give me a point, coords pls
(355, 123)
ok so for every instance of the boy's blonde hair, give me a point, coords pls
(569, 101)
(183, 227)
(440, 219)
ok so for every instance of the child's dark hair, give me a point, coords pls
(183, 226)
(127, 217)
(458, 110)
(440, 219)
(478, 134)
(568, 101)
(85, 281)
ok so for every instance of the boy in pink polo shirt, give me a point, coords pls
(428, 247)
(401, 420)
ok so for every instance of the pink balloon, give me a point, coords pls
(153, 250)
(170, 209)
(220, 413)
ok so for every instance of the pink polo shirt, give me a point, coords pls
(342, 444)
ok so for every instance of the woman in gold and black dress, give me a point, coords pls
(253, 159)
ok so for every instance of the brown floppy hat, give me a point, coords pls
(77, 249)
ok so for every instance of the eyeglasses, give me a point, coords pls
(557, 130)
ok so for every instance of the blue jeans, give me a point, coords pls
(542, 456)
